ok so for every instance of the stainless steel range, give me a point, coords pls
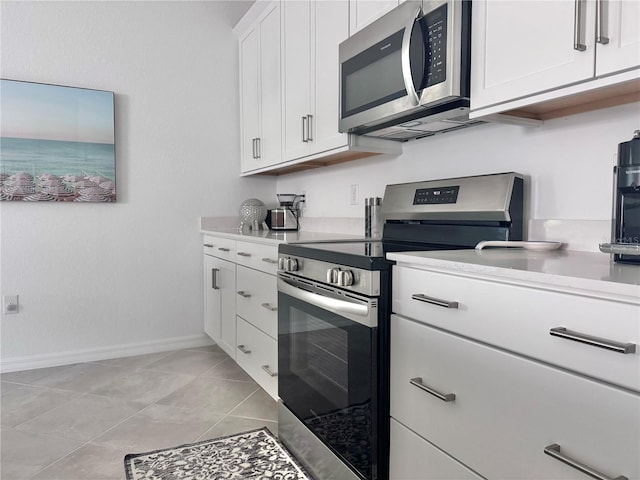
(334, 303)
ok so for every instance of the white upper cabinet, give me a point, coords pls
(521, 49)
(363, 12)
(260, 100)
(312, 31)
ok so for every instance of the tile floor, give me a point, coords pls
(77, 422)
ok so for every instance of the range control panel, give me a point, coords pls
(440, 195)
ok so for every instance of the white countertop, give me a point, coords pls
(274, 237)
(591, 273)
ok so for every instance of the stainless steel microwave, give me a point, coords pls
(406, 75)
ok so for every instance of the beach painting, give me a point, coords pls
(57, 143)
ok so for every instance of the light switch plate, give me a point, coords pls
(10, 304)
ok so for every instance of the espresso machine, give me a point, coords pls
(286, 216)
(625, 229)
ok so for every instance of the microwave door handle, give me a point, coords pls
(405, 58)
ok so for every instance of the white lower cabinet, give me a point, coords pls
(258, 356)
(412, 458)
(497, 412)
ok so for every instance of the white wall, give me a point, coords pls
(567, 161)
(95, 278)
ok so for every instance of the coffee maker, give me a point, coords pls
(286, 216)
(625, 229)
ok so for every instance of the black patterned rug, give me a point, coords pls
(254, 455)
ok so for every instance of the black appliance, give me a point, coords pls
(625, 231)
(334, 305)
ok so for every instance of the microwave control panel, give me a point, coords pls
(434, 26)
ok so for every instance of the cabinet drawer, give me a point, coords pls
(258, 256)
(412, 457)
(507, 409)
(257, 299)
(258, 356)
(520, 319)
(224, 248)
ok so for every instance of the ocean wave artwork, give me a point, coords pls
(57, 143)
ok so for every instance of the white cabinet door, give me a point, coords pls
(331, 27)
(363, 12)
(220, 302)
(622, 27)
(526, 47)
(297, 77)
(260, 98)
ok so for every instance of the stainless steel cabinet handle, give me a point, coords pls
(258, 147)
(244, 349)
(434, 301)
(270, 260)
(254, 153)
(445, 397)
(244, 254)
(208, 245)
(578, 30)
(244, 294)
(619, 347)
(269, 371)
(223, 249)
(269, 307)
(305, 139)
(553, 450)
(601, 36)
(309, 127)
(214, 278)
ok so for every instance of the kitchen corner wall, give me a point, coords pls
(568, 164)
(98, 280)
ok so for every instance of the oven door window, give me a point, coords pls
(326, 377)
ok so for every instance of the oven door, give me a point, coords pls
(327, 367)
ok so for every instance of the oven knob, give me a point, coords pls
(332, 276)
(292, 265)
(345, 278)
(281, 263)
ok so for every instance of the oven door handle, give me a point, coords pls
(334, 304)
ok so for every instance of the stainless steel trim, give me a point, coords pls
(214, 278)
(620, 248)
(269, 260)
(244, 254)
(601, 36)
(244, 349)
(612, 345)
(314, 455)
(578, 30)
(268, 306)
(553, 451)
(434, 301)
(445, 397)
(244, 294)
(361, 310)
(270, 372)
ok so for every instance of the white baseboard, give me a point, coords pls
(30, 362)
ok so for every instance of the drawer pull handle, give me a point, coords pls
(445, 397)
(244, 294)
(270, 260)
(553, 450)
(208, 245)
(244, 349)
(270, 307)
(223, 249)
(214, 278)
(591, 340)
(244, 254)
(434, 301)
(269, 372)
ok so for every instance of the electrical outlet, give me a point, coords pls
(355, 194)
(10, 304)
